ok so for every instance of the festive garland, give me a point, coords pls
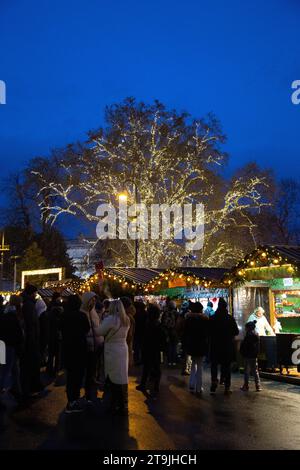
(190, 279)
(264, 258)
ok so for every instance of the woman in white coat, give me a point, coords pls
(262, 327)
(114, 328)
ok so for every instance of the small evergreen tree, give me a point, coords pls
(33, 259)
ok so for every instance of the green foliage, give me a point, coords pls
(33, 259)
(54, 249)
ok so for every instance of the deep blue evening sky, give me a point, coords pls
(63, 61)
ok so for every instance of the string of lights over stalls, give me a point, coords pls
(74, 285)
(263, 257)
(190, 279)
(92, 280)
(159, 282)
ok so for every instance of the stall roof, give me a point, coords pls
(145, 275)
(288, 251)
(49, 292)
(136, 275)
(211, 274)
(266, 256)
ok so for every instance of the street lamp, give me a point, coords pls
(123, 198)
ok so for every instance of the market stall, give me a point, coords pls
(192, 283)
(269, 277)
(189, 283)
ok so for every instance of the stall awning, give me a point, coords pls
(146, 279)
(49, 292)
(211, 274)
(291, 253)
(267, 262)
(135, 275)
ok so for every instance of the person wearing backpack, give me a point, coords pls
(249, 349)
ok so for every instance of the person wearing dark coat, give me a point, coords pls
(1, 304)
(169, 322)
(195, 341)
(140, 324)
(74, 327)
(30, 359)
(223, 329)
(54, 313)
(154, 341)
(249, 349)
(12, 334)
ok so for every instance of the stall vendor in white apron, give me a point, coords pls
(263, 327)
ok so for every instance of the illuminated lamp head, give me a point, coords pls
(122, 197)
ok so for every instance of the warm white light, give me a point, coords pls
(40, 272)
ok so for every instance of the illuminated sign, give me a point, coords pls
(42, 272)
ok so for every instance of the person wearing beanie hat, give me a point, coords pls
(249, 349)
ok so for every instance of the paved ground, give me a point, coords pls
(177, 420)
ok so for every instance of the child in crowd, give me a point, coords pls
(249, 350)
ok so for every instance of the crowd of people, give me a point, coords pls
(96, 342)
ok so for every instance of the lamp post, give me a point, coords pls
(3, 248)
(123, 198)
(136, 244)
(14, 258)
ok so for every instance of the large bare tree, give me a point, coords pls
(156, 156)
